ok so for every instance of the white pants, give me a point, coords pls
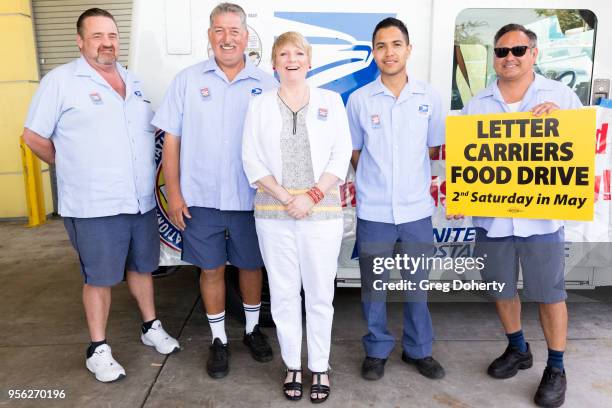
(301, 253)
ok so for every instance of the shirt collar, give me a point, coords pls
(249, 70)
(84, 69)
(412, 87)
(539, 84)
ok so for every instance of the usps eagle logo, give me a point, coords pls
(342, 47)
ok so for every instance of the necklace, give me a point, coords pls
(295, 105)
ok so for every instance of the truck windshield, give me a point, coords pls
(566, 43)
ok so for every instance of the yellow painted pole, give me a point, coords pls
(35, 198)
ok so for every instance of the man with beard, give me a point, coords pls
(209, 196)
(91, 119)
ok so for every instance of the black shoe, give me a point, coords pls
(258, 345)
(551, 392)
(217, 365)
(508, 364)
(293, 385)
(373, 368)
(427, 366)
(317, 388)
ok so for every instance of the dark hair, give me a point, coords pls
(533, 38)
(391, 22)
(92, 12)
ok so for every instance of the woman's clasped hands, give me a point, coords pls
(299, 206)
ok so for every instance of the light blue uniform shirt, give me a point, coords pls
(104, 145)
(490, 100)
(207, 112)
(394, 174)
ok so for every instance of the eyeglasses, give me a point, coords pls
(517, 51)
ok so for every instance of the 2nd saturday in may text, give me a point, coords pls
(525, 200)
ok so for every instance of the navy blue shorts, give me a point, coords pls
(212, 237)
(541, 259)
(108, 246)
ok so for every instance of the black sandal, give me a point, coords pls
(318, 388)
(293, 385)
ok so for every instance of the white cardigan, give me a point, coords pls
(328, 134)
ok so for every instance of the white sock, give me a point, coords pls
(251, 312)
(217, 325)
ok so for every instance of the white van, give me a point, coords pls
(452, 49)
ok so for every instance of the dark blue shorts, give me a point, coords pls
(108, 246)
(541, 259)
(212, 237)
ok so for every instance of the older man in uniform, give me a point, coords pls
(536, 244)
(91, 119)
(396, 123)
(209, 196)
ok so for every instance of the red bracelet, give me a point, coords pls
(315, 194)
(312, 196)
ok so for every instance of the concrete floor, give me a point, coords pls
(43, 338)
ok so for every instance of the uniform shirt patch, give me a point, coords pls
(424, 110)
(375, 121)
(322, 114)
(96, 99)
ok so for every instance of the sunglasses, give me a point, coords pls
(517, 51)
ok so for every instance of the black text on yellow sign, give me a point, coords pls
(520, 165)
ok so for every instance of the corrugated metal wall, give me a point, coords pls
(55, 26)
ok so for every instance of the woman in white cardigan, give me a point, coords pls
(296, 151)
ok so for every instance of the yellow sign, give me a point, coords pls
(520, 165)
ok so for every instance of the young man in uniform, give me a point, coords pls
(91, 119)
(396, 123)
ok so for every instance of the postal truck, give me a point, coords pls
(452, 50)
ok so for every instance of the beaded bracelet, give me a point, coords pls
(315, 194)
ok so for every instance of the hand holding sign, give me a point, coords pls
(544, 108)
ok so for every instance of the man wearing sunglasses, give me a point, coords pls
(536, 244)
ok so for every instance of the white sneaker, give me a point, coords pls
(104, 366)
(157, 337)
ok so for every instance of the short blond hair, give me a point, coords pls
(294, 38)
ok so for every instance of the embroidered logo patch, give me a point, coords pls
(322, 114)
(424, 109)
(138, 94)
(256, 91)
(96, 99)
(375, 121)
